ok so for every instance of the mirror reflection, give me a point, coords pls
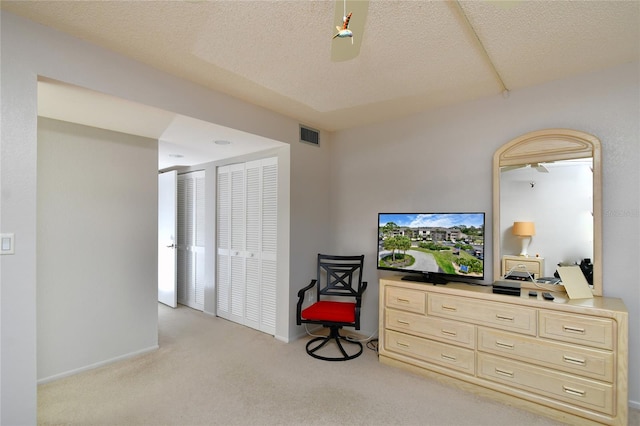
(553, 202)
(547, 202)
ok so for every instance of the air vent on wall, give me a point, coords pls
(309, 135)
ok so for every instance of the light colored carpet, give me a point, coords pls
(209, 371)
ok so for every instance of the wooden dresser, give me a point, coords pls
(565, 359)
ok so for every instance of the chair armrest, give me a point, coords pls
(363, 287)
(358, 296)
(361, 290)
(301, 293)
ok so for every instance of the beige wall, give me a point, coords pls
(442, 161)
(30, 50)
(97, 227)
(336, 189)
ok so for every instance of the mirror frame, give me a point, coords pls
(545, 146)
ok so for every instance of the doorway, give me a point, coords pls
(138, 315)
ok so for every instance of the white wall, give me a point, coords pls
(442, 160)
(30, 50)
(97, 210)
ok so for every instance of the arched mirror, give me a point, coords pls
(547, 204)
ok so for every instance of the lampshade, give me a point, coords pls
(524, 229)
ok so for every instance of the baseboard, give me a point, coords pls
(282, 338)
(96, 365)
(212, 314)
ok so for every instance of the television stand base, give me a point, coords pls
(425, 278)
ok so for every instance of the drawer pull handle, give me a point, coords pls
(570, 329)
(504, 317)
(404, 345)
(449, 333)
(572, 360)
(504, 345)
(572, 391)
(448, 357)
(403, 300)
(403, 322)
(449, 308)
(504, 372)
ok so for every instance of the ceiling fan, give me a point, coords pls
(349, 15)
(536, 166)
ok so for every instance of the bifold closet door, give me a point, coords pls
(191, 236)
(247, 242)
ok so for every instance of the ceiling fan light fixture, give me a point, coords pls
(352, 18)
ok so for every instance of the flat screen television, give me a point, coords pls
(432, 247)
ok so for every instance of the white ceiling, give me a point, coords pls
(413, 55)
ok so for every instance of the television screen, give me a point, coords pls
(434, 247)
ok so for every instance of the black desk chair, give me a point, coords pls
(338, 295)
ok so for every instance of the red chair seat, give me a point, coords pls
(330, 311)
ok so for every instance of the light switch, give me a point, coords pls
(6, 245)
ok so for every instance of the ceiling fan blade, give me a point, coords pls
(509, 168)
(343, 49)
(539, 167)
(536, 166)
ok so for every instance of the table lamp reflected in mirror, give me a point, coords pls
(524, 231)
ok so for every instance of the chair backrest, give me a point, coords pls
(339, 275)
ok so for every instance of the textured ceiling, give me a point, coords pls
(414, 55)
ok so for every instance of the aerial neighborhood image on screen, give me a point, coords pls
(444, 244)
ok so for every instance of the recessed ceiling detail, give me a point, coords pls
(414, 56)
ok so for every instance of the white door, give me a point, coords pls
(191, 236)
(260, 239)
(167, 212)
(246, 255)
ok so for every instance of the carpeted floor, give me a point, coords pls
(209, 371)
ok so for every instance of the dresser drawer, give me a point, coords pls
(594, 363)
(493, 314)
(435, 328)
(407, 300)
(595, 332)
(442, 354)
(581, 392)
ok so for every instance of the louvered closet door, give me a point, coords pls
(253, 280)
(247, 229)
(269, 244)
(237, 246)
(223, 237)
(198, 248)
(191, 233)
(230, 240)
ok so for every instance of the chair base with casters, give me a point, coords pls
(339, 278)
